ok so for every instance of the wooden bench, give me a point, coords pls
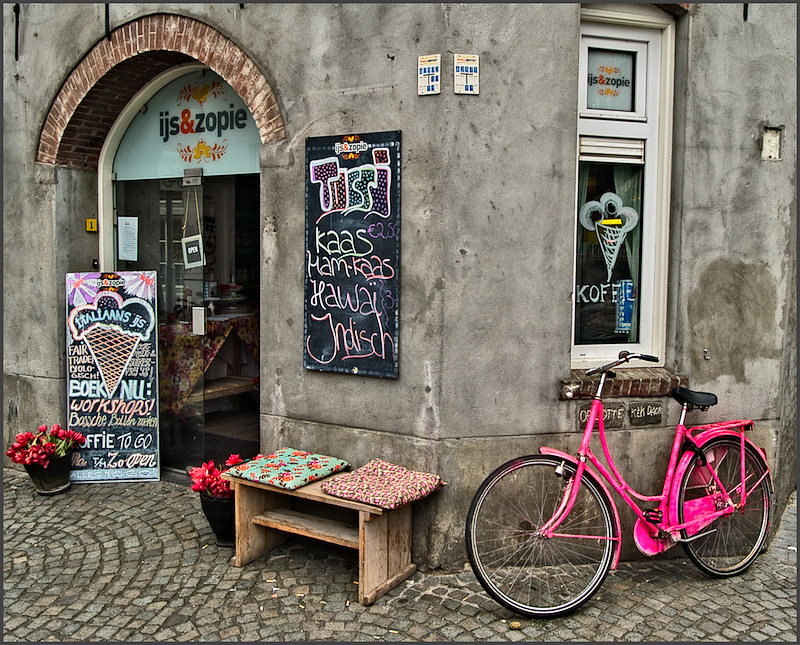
(267, 515)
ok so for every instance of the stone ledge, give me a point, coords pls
(630, 381)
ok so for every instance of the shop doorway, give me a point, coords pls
(208, 306)
(184, 167)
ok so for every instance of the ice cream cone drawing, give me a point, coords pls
(611, 221)
(112, 351)
(111, 331)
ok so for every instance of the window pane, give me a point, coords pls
(608, 263)
(610, 80)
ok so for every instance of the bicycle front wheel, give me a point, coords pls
(520, 568)
(729, 544)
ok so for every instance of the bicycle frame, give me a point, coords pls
(656, 529)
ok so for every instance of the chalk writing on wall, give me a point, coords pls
(112, 367)
(352, 257)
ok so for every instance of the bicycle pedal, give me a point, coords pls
(653, 515)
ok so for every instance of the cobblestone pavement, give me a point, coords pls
(137, 562)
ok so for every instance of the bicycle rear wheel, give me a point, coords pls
(730, 543)
(524, 571)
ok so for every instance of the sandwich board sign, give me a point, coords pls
(112, 371)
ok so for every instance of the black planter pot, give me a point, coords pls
(51, 480)
(220, 513)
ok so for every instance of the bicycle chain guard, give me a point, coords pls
(647, 539)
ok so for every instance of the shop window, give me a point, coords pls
(622, 192)
(608, 253)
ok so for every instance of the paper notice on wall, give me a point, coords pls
(128, 238)
(429, 74)
(465, 74)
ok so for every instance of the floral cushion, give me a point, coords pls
(288, 468)
(383, 484)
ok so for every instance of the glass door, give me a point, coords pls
(171, 238)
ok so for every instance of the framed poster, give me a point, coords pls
(352, 258)
(112, 370)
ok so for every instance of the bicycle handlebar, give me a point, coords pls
(624, 357)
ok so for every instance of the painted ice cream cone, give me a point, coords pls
(112, 350)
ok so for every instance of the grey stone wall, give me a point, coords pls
(488, 189)
(733, 226)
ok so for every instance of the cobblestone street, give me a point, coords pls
(137, 562)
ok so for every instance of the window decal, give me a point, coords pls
(611, 221)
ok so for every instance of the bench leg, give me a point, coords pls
(384, 554)
(250, 539)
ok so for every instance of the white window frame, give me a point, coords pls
(635, 27)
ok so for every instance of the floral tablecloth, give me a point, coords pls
(179, 351)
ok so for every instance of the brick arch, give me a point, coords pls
(108, 77)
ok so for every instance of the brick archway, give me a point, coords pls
(108, 77)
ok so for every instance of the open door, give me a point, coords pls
(170, 219)
(202, 235)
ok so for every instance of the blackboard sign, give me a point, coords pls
(352, 257)
(112, 367)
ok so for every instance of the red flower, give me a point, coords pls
(207, 479)
(29, 448)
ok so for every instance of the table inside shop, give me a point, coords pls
(186, 357)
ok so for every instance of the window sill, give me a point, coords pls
(630, 381)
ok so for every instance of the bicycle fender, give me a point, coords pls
(708, 433)
(596, 479)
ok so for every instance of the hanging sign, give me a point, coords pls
(193, 251)
(112, 367)
(352, 257)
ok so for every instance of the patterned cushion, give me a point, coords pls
(383, 484)
(288, 468)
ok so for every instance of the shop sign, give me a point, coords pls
(613, 414)
(352, 254)
(646, 414)
(610, 80)
(112, 370)
(196, 121)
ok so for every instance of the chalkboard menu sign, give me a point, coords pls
(352, 256)
(112, 367)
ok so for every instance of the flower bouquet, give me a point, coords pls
(216, 499)
(207, 480)
(45, 456)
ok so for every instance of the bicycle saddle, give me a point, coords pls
(702, 400)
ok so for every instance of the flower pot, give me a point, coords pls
(220, 513)
(51, 480)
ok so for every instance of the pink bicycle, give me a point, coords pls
(543, 531)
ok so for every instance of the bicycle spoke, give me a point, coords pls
(513, 559)
(736, 538)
